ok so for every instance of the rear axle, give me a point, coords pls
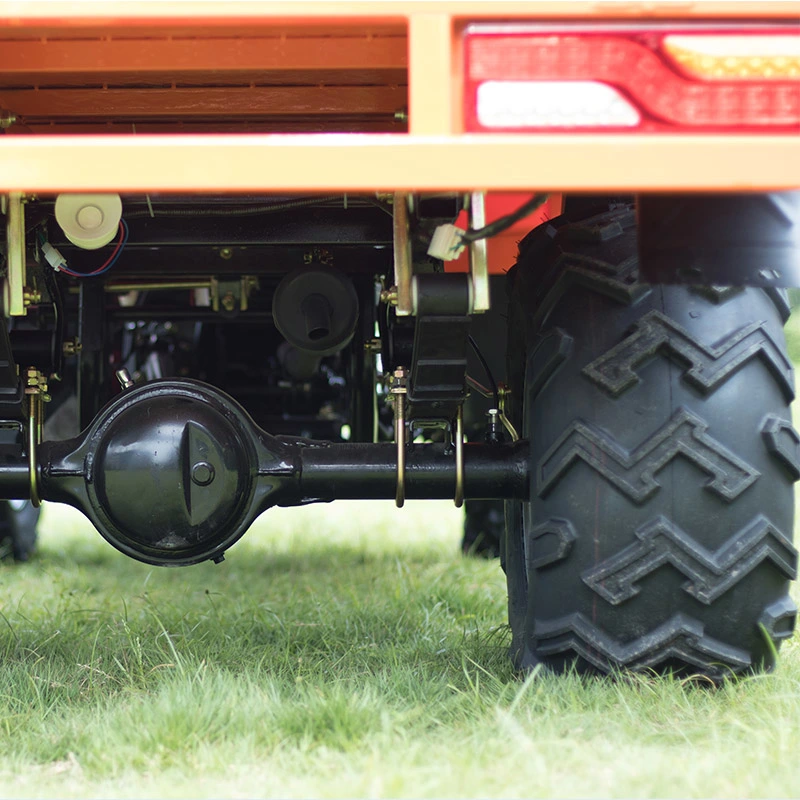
(175, 471)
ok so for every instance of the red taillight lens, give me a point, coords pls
(629, 78)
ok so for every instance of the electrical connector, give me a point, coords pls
(446, 242)
(53, 257)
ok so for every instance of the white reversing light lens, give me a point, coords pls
(553, 104)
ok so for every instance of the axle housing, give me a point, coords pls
(173, 472)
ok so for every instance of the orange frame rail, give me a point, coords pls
(415, 40)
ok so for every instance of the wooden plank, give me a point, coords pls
(206, 102)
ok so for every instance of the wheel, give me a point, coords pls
(658, 533)
(18, 520)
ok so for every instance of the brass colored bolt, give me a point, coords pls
(401, 115)
(226, 253)
(72, 347)
(30, 297)
(36, 383)
(318, 255)
(373, 346)
(389, 296)
(7, 119)
(399, 381)
(228, 301)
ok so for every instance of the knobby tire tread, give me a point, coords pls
(658, 535)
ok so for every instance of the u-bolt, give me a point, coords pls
(459, 437)
(398, 391)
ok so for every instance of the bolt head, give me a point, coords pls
(203, 473)
(389, 296)
(228, 302)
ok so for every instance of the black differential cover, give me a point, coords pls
(168, 472)
(171, 473)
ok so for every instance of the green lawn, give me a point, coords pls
(341, 651)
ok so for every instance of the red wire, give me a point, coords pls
(107, 262)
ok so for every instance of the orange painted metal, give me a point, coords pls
(434, 75)
(217, 68)
(369, 162)
(80, 14)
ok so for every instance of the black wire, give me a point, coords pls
(501, 224)
(490, 377)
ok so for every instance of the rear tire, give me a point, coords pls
(18, 521)
(658, 535)
(483, 528)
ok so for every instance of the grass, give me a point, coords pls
(342, 651)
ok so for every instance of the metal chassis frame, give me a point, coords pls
(434, 155)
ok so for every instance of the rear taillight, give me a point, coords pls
(548, 78)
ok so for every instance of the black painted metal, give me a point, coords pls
(33, 348)
(59, 325)
(174, 472)
(11, 389)
(316, 309)
(161, 261)
(439, 358)
(195, 314)
(303, 227)
(14, 475)
(361, 371)
(369, 471)
(92, 362)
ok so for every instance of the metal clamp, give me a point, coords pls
(398, 391)
(478, 255)
(403, 268)
(459, 495)
(14, 284)
(36, 392)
